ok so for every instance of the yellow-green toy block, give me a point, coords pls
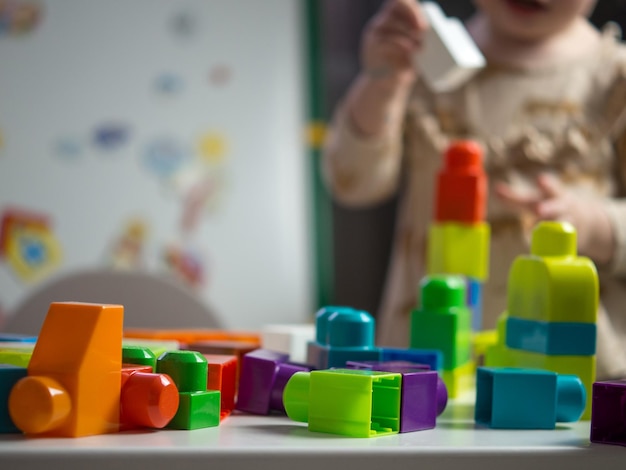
(349, 402)
(16, 357)
(553, 284)
(460, 380)
(461, 249)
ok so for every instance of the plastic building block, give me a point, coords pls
(9, 376)
(460, 380)
(191, 336)
(290, 339)
(198, 407)
(156, 346)
(342, 334)
(553, 284)
(608, 417)
(222, 376)
(475, 302)
(461, 194)
(147, 399)
(16, 338)
(449, 57)
(16, 357)
(443, 321)
(554, 338)
(224, 347)
(509, 398)
(424, 395)
(356, 403)
(264, 375)
(431, 357)
(460, 249)
(74, 381)
(139, 355)
(500, 355)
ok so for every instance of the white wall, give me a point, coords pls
(90, 62)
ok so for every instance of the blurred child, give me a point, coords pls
(549, 110)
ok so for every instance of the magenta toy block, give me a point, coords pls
(608, 412)
(263, 377)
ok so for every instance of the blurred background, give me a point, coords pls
(181, 140)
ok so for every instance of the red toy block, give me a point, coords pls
(223, 377)
(461, 194)
(230, 348)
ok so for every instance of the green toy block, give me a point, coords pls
(462, 249)
(553, 284)
(138, 355)
(16, 357)
(188, 369)
(197, 410)
(443, 322)
(157, 346)
(349, 402)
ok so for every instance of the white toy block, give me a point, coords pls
(288, 339)
(449, 57)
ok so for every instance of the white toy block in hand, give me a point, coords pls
(449, 57)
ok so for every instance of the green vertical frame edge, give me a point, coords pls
(321, 201)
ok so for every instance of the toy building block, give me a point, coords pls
(198, 407)
(553, 284)
(16, 357)
(290, 339)
(222, 376)
(509, 398)
(355, 403)
(430, 357)
(342, 334)
(608, 417)
(74, 382)
(264, 375)
(139, 355)
(186, 336)
(460, 249)
(474, 289)
(156, 346)
(224, 347)
(147, 399)
(423, 397)
(553, 338)
(443, 321)
(449, 57)
(461, 194)
(9, 376)
(16, 338)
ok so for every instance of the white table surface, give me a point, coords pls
(251, 442)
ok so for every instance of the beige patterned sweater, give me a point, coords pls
(568, 119)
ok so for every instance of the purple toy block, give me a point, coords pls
(424, 394)
(608, 412)
(263, 377)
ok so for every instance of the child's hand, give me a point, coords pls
(391, 39)
(554, 202)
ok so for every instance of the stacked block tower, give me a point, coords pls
(550, 322)
(458, 239)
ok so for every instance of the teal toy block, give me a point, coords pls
(188, 369)
(553, 284)
(9, 376)
(443, 322)
(342, 334)
(509, 398)
(197, 410)
(138, 355)
(457, 248)
(16, 338)
(552, 338)
(349, 402)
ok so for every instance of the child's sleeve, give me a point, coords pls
(361, 171)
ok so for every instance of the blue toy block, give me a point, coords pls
(9, 375)
(16, 338)
(509, 398)
(430, 357)
(342, 334)
(551, 338)
(474, 289)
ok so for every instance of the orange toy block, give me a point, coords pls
(461, 194)
(192, 336)
(74, 382)
(223, 377)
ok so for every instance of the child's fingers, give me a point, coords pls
(552, 209)
(407, 11)
(549, 185)
(515, 199)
